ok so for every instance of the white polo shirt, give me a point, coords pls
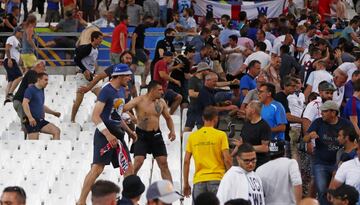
(349, 173)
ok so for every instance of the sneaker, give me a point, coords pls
(231, 128)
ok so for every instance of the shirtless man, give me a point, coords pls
(148, 108)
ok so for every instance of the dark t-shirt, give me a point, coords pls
(206, 97)
(114, 103)
(29, 78)
(254, 134)
(194, 84)
(140, 31)
(12, 20)
(281, 97)
(166, 46)
(180, 74)
(37, 98)
(327, 144)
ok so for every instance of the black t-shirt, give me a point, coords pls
(281, 97)
(206, 98)
(166, 46)
(194, 84)
(254, 134)
(12, 20)
(140, 31)
(29, 78)
(180, 74)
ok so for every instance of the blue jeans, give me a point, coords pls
(322, 177)
(201, 187)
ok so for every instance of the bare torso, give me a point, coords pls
(148, 113)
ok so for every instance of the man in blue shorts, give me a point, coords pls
(107, 117)
(34, 109)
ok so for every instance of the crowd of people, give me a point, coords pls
(293, 82)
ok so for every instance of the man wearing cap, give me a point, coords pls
(148, 109)
(162, 193)
(241, 181)
(195, 84)
(85, 58)
(182, 74)
(349, 172)
(281, 174)
(162, 75)
(210, 149)
(344, 195)
(107, 118)
(324, 131)
(11, 63)
(132, 190)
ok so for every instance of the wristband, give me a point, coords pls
(101, 126)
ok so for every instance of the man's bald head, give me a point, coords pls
(309, 201)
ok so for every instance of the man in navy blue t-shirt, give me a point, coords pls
(107, 117)
(325, 132)
(34, 108)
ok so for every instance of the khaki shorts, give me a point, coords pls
(29, 60)
(81, 81)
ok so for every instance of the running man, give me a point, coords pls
(85, 58)
(148, 109)
(110, 127)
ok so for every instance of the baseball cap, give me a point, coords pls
(326, 86)
(345, 192)
(276, 147)
(329, 105)
(132, 187)
(202, 66)
(164, 191)
(168, 53)
(121, 69)
(190, 49)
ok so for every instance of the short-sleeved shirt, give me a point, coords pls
(15, 48)
(114, 103)
(206, 98)
(327, 144)
(274, 114)
(348, 68)
(312, 110)
(37, 98)
(254, 134)
(115, 43)
(346, 33)
(140, 32)
(247, 82)
(179, 74)
(252, 95)
(349, 173)
(161, 66)
(194, 84)
(316, 77)
(281, 97)
(134, 12)
(166, 46)
(352, 108)
(29, 78)
(206, 146)
(68, 25)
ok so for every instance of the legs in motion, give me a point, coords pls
(138, 162)
(51, 129)
(76, 105)
(95, 171)
(175, 104)
(164, 168)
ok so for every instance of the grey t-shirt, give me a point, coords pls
(68, 25)
(134, 12)
(252, 95)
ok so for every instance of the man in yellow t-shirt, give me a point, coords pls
(210, 149)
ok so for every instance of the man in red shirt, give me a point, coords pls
(162, 75)
(119, 40)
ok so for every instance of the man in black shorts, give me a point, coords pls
(107, 117)
(148, 108)
(34, 109)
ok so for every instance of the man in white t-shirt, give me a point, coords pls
(260, 37)
(281, 174)
(350, 67)
(315, 77)
(11, 63)
(304, 39)
(349, 173)
(259, 55)
(283, 40)
(234, 59)
(241, 181)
